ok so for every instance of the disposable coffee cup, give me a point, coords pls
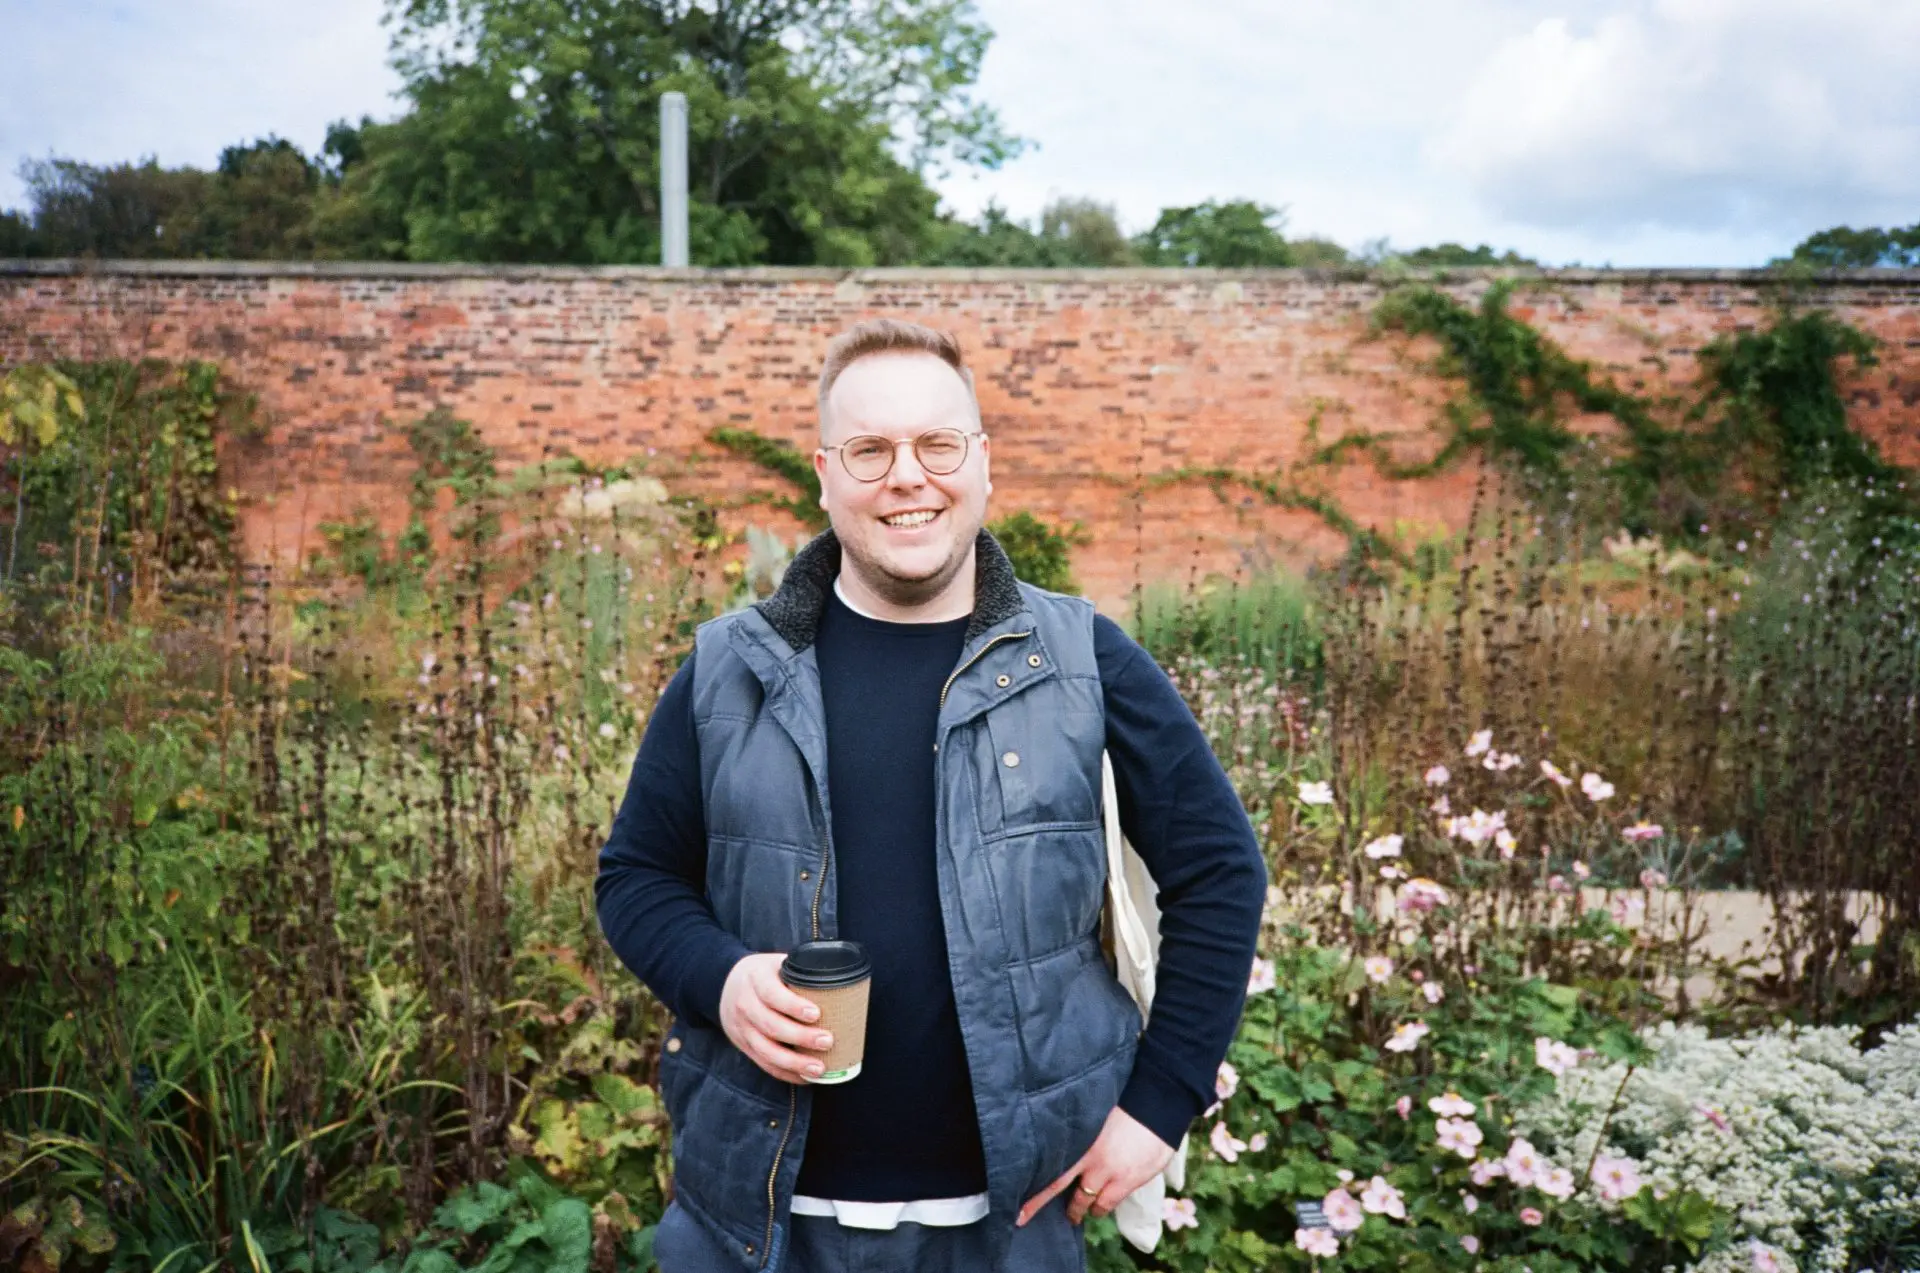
(836, 976)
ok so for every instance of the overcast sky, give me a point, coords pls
(1624, 132)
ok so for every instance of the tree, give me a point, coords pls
(17, 236)
(533, 130)
(1085, 233)
(1445, 255)
(1318, 253)
(1235, 234)
(257, 203)
(1073, 234)
(1845, 248)
(126, 210)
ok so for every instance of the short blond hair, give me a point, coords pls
(889, 336)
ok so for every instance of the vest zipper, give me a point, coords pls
(979, 654)
(793, 1100)
(793, 1093)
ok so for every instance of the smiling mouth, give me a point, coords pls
(911, 521)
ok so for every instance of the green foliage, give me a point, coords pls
(450, 456)
(1269, 622)
(33, 401)
(257, 204)
(18, 239)
(121, 210)
(153, 424)
(1233, 234)
(1311, 1092)
(39, 1234)
(1454, 255)
(1517, 383)
(537, 140)
(1772, 409)
(1775, 400)
(530, 1227)
(1072, 234)
(1041, 554)
(782, 460)
(1314, 252)
(1845, 248)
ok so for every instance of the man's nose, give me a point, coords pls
(906, 470)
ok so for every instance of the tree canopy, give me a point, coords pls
(1845, 248)
(1237, 233)
(533, 130)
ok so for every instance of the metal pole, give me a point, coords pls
(673, 179)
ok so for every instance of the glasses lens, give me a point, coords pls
(867, 458)
(941, 450)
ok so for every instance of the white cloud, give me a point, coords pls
(1728, 116)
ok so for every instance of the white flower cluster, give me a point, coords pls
(1806, 1141)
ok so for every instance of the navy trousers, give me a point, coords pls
(1049, 1243)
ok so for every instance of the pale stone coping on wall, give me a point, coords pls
(75, 267)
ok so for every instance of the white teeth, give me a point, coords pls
(906, 521)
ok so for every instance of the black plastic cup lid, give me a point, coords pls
(826, 965)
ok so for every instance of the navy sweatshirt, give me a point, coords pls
(909, 1131)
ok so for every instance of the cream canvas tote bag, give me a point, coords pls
(1133, 917)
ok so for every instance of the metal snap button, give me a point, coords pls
(1003, 680)
(1011, 760)
(806, 875)
(673, 1045)
(1033, 660)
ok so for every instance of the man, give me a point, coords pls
(901, 748)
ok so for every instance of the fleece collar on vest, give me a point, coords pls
(794, 610)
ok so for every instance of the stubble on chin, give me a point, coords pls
(904, 591)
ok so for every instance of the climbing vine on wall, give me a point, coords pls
(1771, 409)
(116, 475)
(782, 460)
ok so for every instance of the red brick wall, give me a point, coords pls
(1086, 379)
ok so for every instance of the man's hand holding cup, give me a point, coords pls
(800, 1017)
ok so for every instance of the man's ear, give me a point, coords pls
(820, 472)
(986, 461)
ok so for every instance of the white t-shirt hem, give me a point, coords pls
(889, 1215)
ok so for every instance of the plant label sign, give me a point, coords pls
(1310, 1215)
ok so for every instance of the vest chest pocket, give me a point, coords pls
(1029, 770)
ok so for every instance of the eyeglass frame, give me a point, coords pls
(965, 450)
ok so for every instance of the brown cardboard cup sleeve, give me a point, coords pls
(836, 976)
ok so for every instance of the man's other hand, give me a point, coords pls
(1124, 1156)
(767, 1020)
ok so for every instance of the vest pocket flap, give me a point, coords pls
(1036, 763)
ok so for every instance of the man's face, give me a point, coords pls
(882, 526)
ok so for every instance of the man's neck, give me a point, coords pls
(955, 601)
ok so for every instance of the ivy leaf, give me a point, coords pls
(624, 1096)
(1278, 1087)
(472, 1209)
(569, 1232)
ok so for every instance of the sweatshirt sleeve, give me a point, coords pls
(651, 888)
(1181, 814)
